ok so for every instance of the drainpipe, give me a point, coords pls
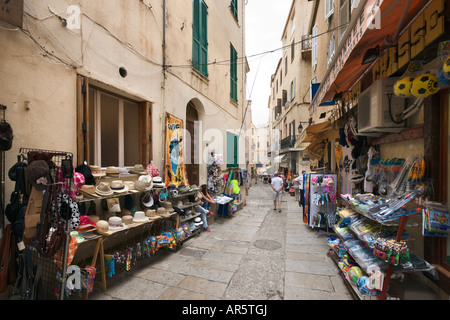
(163, 85)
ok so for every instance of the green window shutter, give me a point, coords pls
(233, 73)
(200, 37)
(234, 8)
(232, 150)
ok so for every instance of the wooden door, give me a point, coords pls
(192, 168)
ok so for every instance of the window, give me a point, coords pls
(292, 90)
(330, 51)
(314, 46)
(344, 18)
(233, 73)
(111, 130)
(200, 37)
(292, 50)
(329, 8)
(234, 8)
(285, 65)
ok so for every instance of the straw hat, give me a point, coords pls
(117, 186)
(139, 185)
(161, 211)
(158, 183)
(130, 185)
(102, 227)
(147, 180)
(139, 216)
(97, 171)
(88, 190)
(112, 171)
(168, 206)
(146, 200)
(103, 189)
(116, 223)
(128, 219)
(138, 169)
(151, 214)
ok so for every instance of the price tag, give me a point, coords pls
(376, 279)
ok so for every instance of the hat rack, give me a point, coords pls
(49, 268)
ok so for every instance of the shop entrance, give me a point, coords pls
(192, 163)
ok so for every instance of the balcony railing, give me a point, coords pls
(288, 142)
(306, 42)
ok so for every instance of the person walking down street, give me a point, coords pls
(301, 185)
(295, 183)
(277, 187)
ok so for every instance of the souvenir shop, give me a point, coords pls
(95, 222)
(380, 194)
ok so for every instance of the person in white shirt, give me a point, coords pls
(295, 182)
(277, 187)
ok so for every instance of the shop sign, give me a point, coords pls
(370, 18)
(12, 12)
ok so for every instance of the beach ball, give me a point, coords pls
(424, 85)
(403, 86)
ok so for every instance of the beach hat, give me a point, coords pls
(139, 216)
(127, 219)
(89, 191)
(183, 189)
(158, 183)
(139, 185)
(151, 214)
(161, 211)
(117, 186)
(147, 180)
(116, 224)
(146, 200)
(168, 206)
(87, 174)
(130, 185)
(152, 171)
(86, 225)
(104, 189)
(138, 169)
(198, 221)
(102, 227)
(112, 171)
(96, 171)
(179, 203)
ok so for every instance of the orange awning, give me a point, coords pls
(347, 67)
(316, 130)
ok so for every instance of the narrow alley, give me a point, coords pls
(257, 254)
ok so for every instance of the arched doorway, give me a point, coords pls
(192, 163)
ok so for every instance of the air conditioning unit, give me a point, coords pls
(373, 109)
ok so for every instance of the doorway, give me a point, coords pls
(192, 163)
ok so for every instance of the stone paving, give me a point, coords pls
(257, 254)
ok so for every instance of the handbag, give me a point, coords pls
(4, 262)
(48, 247)
(6, 136)
(63, 206)
(32, 216)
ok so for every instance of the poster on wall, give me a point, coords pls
(175, 171)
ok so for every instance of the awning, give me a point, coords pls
(315, 150)
(278, 159)
(316, 130)
(372, 22)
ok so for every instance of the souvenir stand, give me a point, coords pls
(321, 200)
(372, 247)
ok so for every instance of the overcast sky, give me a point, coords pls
(265, 21)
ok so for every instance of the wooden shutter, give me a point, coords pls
(233, 73)
(83, 142)
(145, 133)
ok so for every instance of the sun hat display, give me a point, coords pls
(104, 189)
(97, 171)
(89, 191)
(87, 173)
(117, 186)
(151, 214)
(161, 211)
(86, 225)
(102, 227)
(112, 171)
(138, 169)
(38, 174)
(179, 203)
(127, 219)
(147, 180)
(139, 216)
(197, 221)
(94, 218)
(158, 183)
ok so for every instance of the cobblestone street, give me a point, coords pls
(258, 254)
